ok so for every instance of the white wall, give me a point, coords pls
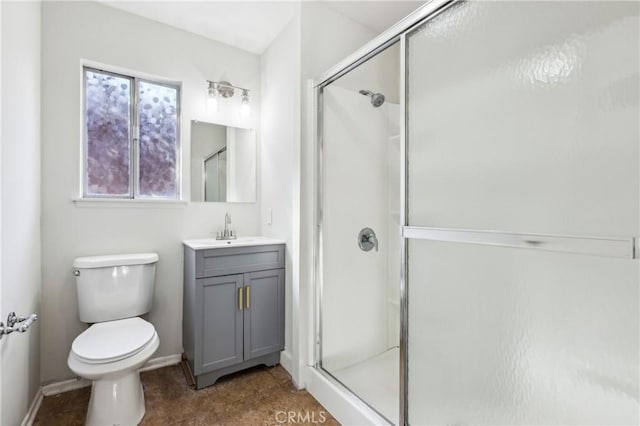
(20, 204)
(73, 31)
(280, 163)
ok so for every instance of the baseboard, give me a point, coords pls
(30, 417)
(77, 383)
(65, 386)
(286, 361)
(163, 361)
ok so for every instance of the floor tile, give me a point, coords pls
(257, 396)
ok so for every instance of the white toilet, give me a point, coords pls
(112, 292)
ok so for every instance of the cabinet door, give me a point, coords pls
(264, 313)
(219, 300)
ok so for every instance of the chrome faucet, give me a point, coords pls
(227, 234)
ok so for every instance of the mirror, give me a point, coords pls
(223, 163)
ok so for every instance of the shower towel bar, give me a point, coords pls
(625, 248)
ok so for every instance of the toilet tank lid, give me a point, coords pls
(115, 260)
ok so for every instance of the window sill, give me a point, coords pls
(128, 203)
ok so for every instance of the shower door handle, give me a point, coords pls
(614, 247)
(367, 239)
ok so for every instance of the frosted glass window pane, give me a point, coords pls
(108, 137)
(523, 116)
(506, 336)
(158, 139)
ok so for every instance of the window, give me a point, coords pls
(131, 137)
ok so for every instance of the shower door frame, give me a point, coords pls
(395, 34)
(628, 248)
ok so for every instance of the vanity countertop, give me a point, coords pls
(209, 243)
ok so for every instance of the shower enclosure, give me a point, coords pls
(478, 227)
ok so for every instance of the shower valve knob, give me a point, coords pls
(367, 239)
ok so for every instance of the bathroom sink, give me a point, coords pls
(209, 243)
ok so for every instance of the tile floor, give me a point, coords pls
(258, 396)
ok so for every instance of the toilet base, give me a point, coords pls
(116, 401)
(116, 392)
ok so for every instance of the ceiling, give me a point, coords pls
(248, 25)
(253, 25)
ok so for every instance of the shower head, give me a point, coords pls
(377, 99)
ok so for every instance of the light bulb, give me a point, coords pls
(246, 107)
(212, 97)
(212, 103)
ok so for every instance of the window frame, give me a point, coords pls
(134, 134)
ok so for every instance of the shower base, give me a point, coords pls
(376, 381)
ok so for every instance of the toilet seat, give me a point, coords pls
(112, 341)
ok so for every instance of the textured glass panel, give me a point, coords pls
(158, 127)
(108, 121)
(504, 336)
(523, 116)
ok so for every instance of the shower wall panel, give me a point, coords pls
(354, 290)
(393, 237)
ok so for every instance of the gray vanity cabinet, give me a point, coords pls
(233, 309)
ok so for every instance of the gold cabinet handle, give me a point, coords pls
(248, 297)
(240, 299)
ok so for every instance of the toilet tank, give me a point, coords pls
(116, 286)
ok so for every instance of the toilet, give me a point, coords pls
(112, 292)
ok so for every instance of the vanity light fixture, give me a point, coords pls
(224, 89)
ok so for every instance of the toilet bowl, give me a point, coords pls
(110, 354)
(113, 291)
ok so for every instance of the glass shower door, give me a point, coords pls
(360, 249)
(523, 203)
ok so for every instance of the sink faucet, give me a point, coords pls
(227, 234)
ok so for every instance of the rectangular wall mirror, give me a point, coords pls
(223, 163)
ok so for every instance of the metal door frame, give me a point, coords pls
(628, 248)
